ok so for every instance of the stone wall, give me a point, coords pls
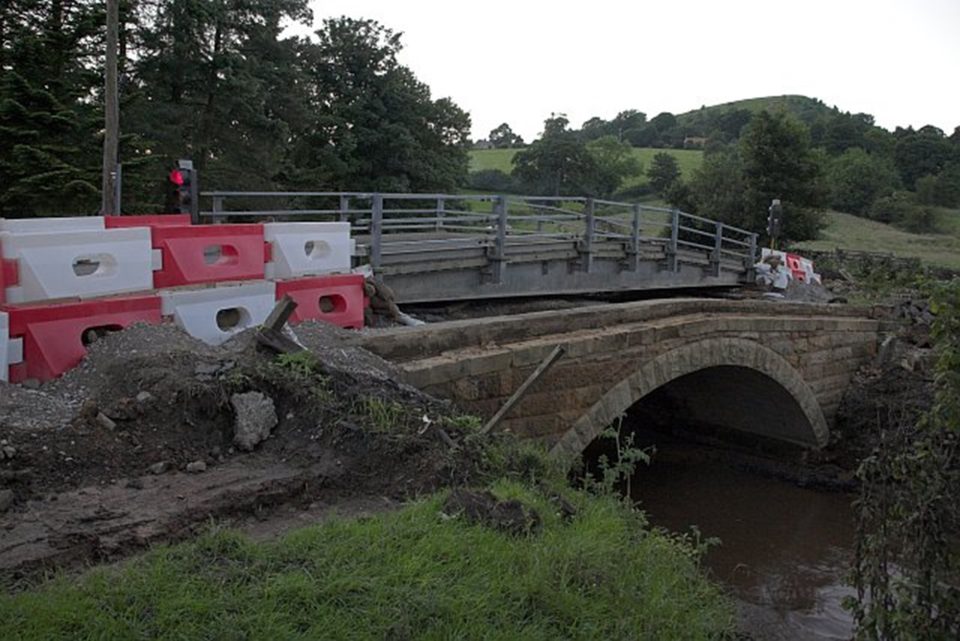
(618, 353)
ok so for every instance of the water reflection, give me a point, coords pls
(785, 551)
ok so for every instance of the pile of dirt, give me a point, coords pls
(151, 411)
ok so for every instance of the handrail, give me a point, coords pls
(385, 217)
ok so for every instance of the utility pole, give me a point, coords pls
(111, 109)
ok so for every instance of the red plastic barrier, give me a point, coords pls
(209, 254)
(9, 275)
(53, 334)
(160, 220)
(339, 300)
(795, 265)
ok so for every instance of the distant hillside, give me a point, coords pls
(803, 108)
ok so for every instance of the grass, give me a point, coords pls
(687, 159)
(411, 574)
(851, 232)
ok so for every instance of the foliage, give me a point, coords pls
(217, 82)
(502, 137)
(410, 574)
(855, 179)
(663, 172)
(779, 163)
(375, 126)
(907, 570)
(921, 153)
(614, 162)
(491, 180)
(560, 164)
(619, 472)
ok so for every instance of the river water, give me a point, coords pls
(785, 549)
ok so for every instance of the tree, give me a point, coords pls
(374, 125)
(502, 137)
(614, 161)
(717, 188)
(778, 163)
(856, 179)
(557, 164)
(49, 152)
(663, 172)
(921, 153)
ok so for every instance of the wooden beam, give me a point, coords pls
(545, 365)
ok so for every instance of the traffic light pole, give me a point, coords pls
(111, 174)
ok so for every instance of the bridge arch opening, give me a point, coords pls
(731, 383)
(730, 401)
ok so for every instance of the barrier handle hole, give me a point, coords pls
(220, 255)
(331, 304)
(316, 249)
(231, 318)
(96, 265)
(91, 335)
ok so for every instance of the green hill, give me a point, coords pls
(853, 233)
(802, 107)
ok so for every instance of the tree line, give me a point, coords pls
(811, 161)
(218, 82)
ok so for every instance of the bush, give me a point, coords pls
(893, 208)
(491, 180)
(919, 220)
(856, 179)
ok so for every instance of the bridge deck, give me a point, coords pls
(436, 247)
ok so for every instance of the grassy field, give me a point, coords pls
(688, 159)
(409, 574)
(850, 232)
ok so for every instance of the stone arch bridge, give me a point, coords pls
(771, 368)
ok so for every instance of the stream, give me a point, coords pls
(785, 549)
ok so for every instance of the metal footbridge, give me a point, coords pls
(441, 247)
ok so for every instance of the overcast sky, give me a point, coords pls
(517, 61)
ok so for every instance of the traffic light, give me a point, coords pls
(183, 181)
(774, 221)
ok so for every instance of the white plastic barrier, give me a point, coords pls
(11, 351)
(4, 349)
(215, 314)
(48, 225)
(78, 263)
(307, 249)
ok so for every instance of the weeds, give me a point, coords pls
(618, 473)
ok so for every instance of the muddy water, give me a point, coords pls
(785, 549)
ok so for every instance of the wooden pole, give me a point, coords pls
(111, 109)
(546, 364)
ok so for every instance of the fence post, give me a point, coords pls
(751, 259)
(217, 208)
(499, 258)
(441, 209)
(672, 263)
(635, 239)
(344, 215)
(376, 231)
(589, 231)
(717, 246)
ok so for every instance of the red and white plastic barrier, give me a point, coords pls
(307, 249)
(48, 266)
(214, 314)
(52, 225)
(5, 347)
(51, 336)
(339, 300)
(198, 254)
(160, 220)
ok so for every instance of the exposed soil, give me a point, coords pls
(106, 459)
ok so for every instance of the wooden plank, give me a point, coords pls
(545, 365)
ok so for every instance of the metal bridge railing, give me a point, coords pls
(441, 222)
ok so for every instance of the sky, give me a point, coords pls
(519, 61)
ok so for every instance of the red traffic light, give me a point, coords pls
(176, 177)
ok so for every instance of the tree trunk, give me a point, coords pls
(111, 114)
